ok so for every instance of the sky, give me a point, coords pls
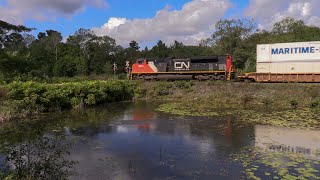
(147, 21)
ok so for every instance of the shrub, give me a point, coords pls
(161, 89)
(44, 158)
(246, 100)
(184, 84)
(315, 104)
(313, 92)
(294, 104)
(123, 76)
(267, 102)
(140, 92)
(43, 97)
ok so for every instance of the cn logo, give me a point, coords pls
(181, 65)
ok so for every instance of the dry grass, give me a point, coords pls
(237, 94)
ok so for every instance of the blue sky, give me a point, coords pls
(188, 21)
(93, 17)
(96, 17)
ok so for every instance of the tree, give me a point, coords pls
(10, 32)
(44, 52)
(101, 50)
(177, 50)
(132, 52)
(160, 50)
(229, 38)
(71, 62)
(230, 34)
(287, 25)
(134, 45)
(12, 49)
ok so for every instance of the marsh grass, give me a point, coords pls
(246, 95)
(260, 163)
(283, 105)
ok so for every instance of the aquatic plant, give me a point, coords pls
(301, 118)
(261, 163)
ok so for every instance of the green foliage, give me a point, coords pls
(34, 97)
(294, 103)
(123, 77)
(184, 84)
(239, 37)
(140, 92)
(315, 104)
(44, 158)
(246, 100)
(267, 102)
(161, 89)
(10, 33)
(41, 58)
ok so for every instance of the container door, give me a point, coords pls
(264, 53)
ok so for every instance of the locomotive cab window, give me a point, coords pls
(140, 61)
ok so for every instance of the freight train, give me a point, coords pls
(194, 68)
(283, 62)
(287, 62)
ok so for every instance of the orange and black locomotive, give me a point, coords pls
(194, 68)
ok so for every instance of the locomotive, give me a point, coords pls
(194, 68)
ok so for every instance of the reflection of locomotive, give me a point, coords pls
(200, 68)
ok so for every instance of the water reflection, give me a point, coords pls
(304, 142)
(144, 144)
(133, 141)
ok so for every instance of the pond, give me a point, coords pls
(134, 141)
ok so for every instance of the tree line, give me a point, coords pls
(84, 53)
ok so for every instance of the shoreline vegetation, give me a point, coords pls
(28, 99)
(285, 105)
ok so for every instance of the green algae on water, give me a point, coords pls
(260, 163)
(300, 118)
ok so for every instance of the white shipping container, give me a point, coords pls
(301, 57)
(289, 67)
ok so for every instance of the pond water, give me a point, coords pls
(134, 141)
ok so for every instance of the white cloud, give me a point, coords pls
(114, 22)
(268, 12)
(190, 24)
(16, 11)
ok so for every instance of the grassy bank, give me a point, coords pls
(282, 105)
(235, 95)
(30, 98)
